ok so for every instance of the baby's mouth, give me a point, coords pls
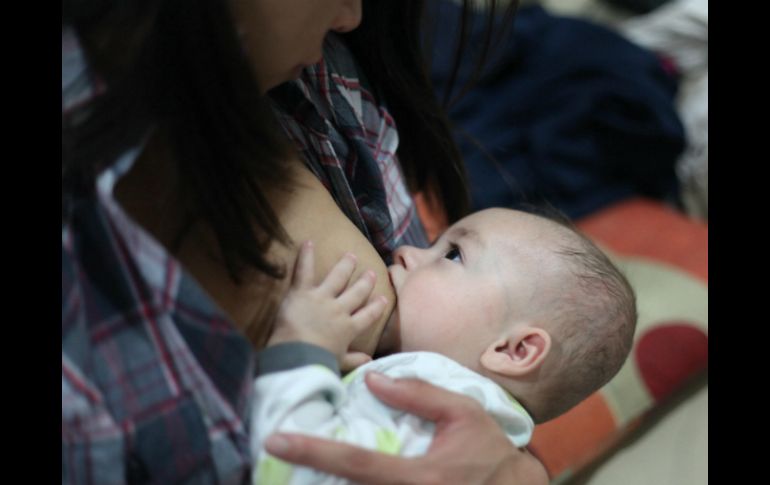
(392, 277)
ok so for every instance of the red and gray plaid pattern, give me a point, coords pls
(156, 381)
(349, 141)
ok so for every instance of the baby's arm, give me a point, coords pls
(330, 314)
(298, 386)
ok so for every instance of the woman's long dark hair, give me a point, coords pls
(177, 66)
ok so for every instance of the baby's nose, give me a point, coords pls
(406, 256)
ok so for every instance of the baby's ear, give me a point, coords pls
(519, 353)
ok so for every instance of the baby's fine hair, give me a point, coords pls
(595, 319)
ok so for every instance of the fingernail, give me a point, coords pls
(277, 444)
(380, 379)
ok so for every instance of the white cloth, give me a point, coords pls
(679, 30)
(313, 400)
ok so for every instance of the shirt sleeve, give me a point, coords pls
(290, 355)
(312, 399)
(158, 395)
(90, 436)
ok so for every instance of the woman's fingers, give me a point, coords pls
(459, 420)
(419, 397)
(356, 464)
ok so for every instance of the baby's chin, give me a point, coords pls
(390, 339)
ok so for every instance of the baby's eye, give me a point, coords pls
(454, 255)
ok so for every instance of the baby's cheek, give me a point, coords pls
(425, 319)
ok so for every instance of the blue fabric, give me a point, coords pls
(575, 115)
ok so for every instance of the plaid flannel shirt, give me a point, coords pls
(156, 381)
(349, 142)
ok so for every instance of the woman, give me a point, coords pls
(172, 153)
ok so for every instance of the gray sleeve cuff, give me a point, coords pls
(291, 355)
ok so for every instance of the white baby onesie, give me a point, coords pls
(312, 399)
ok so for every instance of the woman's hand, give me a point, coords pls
(329, 314)
(468, 446)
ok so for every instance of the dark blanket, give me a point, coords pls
(574, 115)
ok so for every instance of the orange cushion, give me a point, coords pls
(641, 227)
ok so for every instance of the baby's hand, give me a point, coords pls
(331, 314)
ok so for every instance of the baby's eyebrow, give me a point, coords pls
(465, 233)
(460, 233)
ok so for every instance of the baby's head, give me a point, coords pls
(524, 300)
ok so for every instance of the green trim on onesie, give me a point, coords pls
(350, 376)
(387, 441)
(516, 404)
(323, 367)
(274, 471)
(340, 432)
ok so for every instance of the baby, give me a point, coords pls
(520, 312)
